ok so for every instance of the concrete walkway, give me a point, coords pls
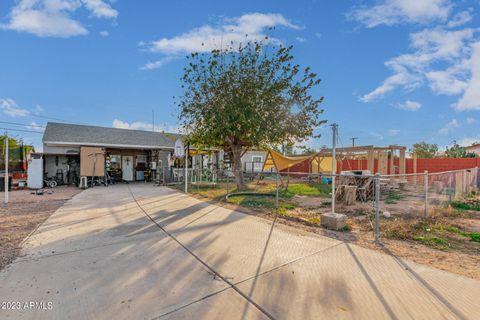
(137, 251)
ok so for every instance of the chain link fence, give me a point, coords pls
(375, 200)
(420, 194)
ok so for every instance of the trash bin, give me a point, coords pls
(2, 184)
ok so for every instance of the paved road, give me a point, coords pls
(136, 251)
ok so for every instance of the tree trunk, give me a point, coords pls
(237, 167)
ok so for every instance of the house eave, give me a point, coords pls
(106, 145)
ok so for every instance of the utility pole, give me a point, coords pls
(334, 157)
(6, 167)
(353, 140)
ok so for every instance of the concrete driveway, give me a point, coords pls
(137, 251)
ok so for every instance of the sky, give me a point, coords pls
(393, 71)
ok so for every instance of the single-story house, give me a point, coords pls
(475, 148)
(71, 151)
(252, 160)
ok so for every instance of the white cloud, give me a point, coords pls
(471, 97)
(460, 19)
(318, 35)
(447, 82)
(393, 132)
(376, 135)
(139, 125)
(157, 64)
(300, 39)
(10, 108)
(34, 126)
(53, 18)
(38, 109)
(468, 141)
(100, 9)
(230, 33)
(392, 12)
(402, 77)
(410, 105)
(449, 127)
(104, 33)
(471, 120)
(440, 58)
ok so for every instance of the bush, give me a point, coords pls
(464, 206)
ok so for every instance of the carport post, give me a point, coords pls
(6, 167)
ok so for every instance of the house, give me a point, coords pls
(475, 148)
(71, 151)
(252, 160)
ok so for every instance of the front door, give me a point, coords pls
(127, 168)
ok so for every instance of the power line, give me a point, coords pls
(23, 124)
(12, 129)
(50, 118)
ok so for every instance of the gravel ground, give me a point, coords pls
(24, 212)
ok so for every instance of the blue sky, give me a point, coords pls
(393, 72)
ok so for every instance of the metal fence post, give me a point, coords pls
(376, 180)
(227, 179)
(276, 191)
(450, 187)
(425, 178)
(186, 170)
(475, 180)
(6, 168)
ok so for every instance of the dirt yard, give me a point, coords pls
(24, 213)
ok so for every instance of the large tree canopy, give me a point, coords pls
(248, 96)
(457, 151)
(425, 150)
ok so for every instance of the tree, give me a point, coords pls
(307, 150)
(425, 150)
(457, 151)
(17, 153)
(288, 149)
(246, 96)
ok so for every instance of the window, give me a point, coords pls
(257, 162)
(115, 162)
(257, 159)
(141, 158)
